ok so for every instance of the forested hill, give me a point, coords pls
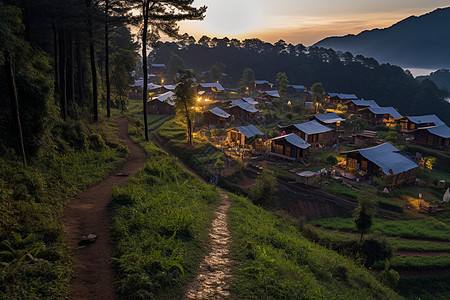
(413, 42)
(388, 85)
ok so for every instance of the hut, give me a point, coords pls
(243, 136)
(268, 96)
(383, 161)
(291, 147)
(250, 101)
(340, 98)
(306, 177)
(365, 139)
(157, 69)
(312, 132)
(435, 137)
(329, 119)
(210, 89)
(411, 123)
(296, 89)
(216, 117)
(163, 104)
(355, 106)
(380, 115)
(243, 110)
(263, 85)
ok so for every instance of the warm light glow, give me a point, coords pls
(198, 99)
(206, 100)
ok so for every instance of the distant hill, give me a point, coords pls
(421, 42)
(441, 78)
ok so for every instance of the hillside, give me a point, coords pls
(441, 78)
(420, 42)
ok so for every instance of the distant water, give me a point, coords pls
(419, 71)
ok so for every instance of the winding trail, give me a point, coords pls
(214, 277)
(88, 213)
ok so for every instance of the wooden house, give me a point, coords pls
(250, 101)
(312, 132)
(151, 87)
(436, 137)
(365, 139)
(211, 89)
(296, 89)
(411, 123)
(268, 96)
(241, 109)
(340, 98)
(243, 136)
(163, 104)
(354, 106)
(329, 119)
(263, 85)
(380, 115)
(157, 69)
(291, 147)
(216, 117)
(384, 161)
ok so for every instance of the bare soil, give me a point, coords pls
(214, 277)
(88, 213)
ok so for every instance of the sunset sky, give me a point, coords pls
(301, 21)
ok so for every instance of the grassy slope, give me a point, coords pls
(32, 199)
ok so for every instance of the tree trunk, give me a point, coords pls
(108, 85)
(144, 65)
(62, 73)
(14, 104)
(79, 72)
(94, 75)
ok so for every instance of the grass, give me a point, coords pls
(35, 259)
(425, 288)
(413, 229)
(274, 261)
(159, 227)
(420, 262)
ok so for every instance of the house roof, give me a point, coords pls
(297, 86)
(249, 130)
(170, 87)
(262, 82)
(312, 127)
(243, 105)
(167, 97)
(369, 103)
(441, 130)
(388, 158)
(343, 96)
(151, 86)
(215, 85)
(385, 110)
(273, 93)
(329, 118)
(158, 65)
(250, 100)
(425, 119)
(294, 140)
(220, 112)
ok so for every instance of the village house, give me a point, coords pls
(163, 104)
(243, 110)
(354, 106)
(435, 137)
(411, 123)
(365, 139)
(216, 117)
(250, 101)
(312, 132)
(157, 69)
(268, 96)
(380, 115)
(296, 89)
(291, 147)
(210, 89)
(340, 98)
(329, 119)
(151, 87)
(263, 85)
(169, 87)
(243, 136)
(383, 161)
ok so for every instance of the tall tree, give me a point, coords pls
(282, 82)
(247, 80)
(216, 71)
(176, 63)
(185, 95)
(364, 214)
(161, 17)
(123, 63)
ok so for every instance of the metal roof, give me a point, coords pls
(343, 96)
(388, 158)
(297, 86)
(250, 100)
(158, 65)
(294, 140)
(216, 85)
(312, 127)
(262, 82)
(370, 103)
(243, 105)
(167, 97)
(249, 130)
(220, 112)
(329, 118)
(152, 86)
(273, 93)
(425, 119)
(441, 130)
(170, 87)
(385, 111)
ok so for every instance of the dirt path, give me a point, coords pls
(214, 277)
(88, 213)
